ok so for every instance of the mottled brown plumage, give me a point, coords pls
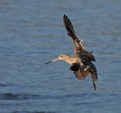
(81, 61)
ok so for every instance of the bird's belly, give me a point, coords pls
(82, 74)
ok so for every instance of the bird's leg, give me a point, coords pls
(87, 67)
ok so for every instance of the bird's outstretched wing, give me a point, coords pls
(79, 48)
(81, 73)
(71, 32)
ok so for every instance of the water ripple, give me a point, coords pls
(20, 96)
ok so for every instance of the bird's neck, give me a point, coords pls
(70, 60)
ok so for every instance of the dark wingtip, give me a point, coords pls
(65, 18)
(64, 15)
(94, 85)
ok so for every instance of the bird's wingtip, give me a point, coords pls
(94, 85)
(65, 16)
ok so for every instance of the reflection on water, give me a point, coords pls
(32, 32)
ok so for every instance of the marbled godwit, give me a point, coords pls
(81, 61)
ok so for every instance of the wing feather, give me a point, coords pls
(82, 72)
(71, 32)
(78, 45)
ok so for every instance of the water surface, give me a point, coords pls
(32, 32)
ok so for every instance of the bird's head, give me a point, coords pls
(60, 57)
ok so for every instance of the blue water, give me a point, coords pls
(32, 33)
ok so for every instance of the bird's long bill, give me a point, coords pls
(52, 61)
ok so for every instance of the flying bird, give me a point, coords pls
(81, 61)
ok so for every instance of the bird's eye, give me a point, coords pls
(60, 56)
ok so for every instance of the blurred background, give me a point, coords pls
(32, 33)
